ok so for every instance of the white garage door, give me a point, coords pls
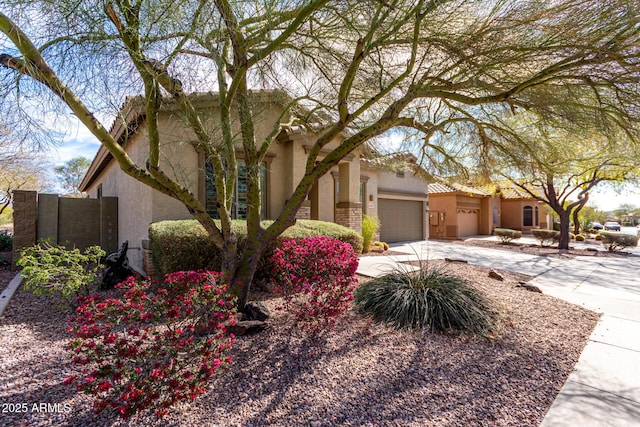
(400, 220)
(467, 222)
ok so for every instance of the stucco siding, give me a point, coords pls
(512, 214)
(409, 183)
(442, 218)
(326, 198)
(371, 199)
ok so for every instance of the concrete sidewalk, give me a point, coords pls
(604, 388)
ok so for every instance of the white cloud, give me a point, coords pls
(76, 141)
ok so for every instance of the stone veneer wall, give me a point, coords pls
(147, 259)
(350, 216)
(304, 212)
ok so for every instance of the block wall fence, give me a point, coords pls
(70, 222)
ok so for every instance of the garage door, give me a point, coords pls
(467, 222)
(400, 220)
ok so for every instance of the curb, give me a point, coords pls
(6, 295)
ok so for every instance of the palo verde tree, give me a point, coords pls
(351, 71)
(561, 166)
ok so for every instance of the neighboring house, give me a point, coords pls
(354, 187)
(458, 211)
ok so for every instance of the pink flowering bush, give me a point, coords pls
(150, 349)
(316, 277)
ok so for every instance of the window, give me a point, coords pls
(536, 217)
(239, 205)
(527, 216)
(99, 191)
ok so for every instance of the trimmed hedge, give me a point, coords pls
(544, 235)
(507, 235)
(184, 244)
(6, 241)
(618, 241)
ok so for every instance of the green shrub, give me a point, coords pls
(7, 216)
(429, 299)
(311, 228)
(5, 241)
(580, 238)
(618, 241)
(370, 226)
(546, 237)
(64, 274)
(185, 245)
(627, 224)
(507, 235)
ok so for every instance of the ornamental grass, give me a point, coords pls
(430, 299)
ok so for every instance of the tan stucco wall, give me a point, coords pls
(442, 214)
(134, 200)
(370, 205)
(512, 216)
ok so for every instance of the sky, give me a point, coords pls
(80, 142)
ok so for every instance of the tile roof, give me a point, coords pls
(506, 190)
(442, 188)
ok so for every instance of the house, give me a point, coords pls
(458, 211)
(356, 186)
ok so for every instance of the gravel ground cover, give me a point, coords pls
(361, 374)
(5, 271)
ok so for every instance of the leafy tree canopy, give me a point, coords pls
(71, 173)
(21, 174)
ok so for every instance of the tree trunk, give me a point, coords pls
(576, 221)
(243, 272)
(563, 242)
(583, 198)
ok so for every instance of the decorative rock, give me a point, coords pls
(257, 310)
(495, 275)
(529, 287)
(246, 327)
(462, 261)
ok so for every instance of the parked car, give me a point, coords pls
(597, 226)
(611, 226)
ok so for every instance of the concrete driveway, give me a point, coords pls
(604, 388)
